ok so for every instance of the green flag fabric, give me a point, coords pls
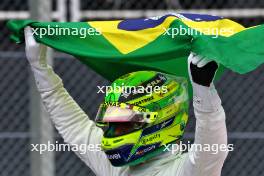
(113, 48)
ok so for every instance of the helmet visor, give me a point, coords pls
(121, 112)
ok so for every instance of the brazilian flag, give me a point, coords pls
(113, 48)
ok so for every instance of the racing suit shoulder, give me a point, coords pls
(73, 124)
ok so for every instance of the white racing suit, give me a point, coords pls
(76, 128)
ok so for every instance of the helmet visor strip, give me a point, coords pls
(122, 112)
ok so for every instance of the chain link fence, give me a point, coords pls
(242, 95)
(169, 4)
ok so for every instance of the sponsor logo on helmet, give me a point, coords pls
(143, 100)
(113, 156)
(160, 78)
(150, 139)
(141, 152)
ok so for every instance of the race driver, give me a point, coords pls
(124, 119)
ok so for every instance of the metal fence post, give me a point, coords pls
(75, 10)
(41, 127)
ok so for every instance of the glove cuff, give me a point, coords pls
(205, 99)
(46, 79)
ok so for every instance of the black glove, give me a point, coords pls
(202, 71)
(203, 75)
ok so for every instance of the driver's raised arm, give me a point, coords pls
(210, 121)
(70, 120)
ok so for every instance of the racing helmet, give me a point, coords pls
(142, 112)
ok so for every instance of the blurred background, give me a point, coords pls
(23, 120)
